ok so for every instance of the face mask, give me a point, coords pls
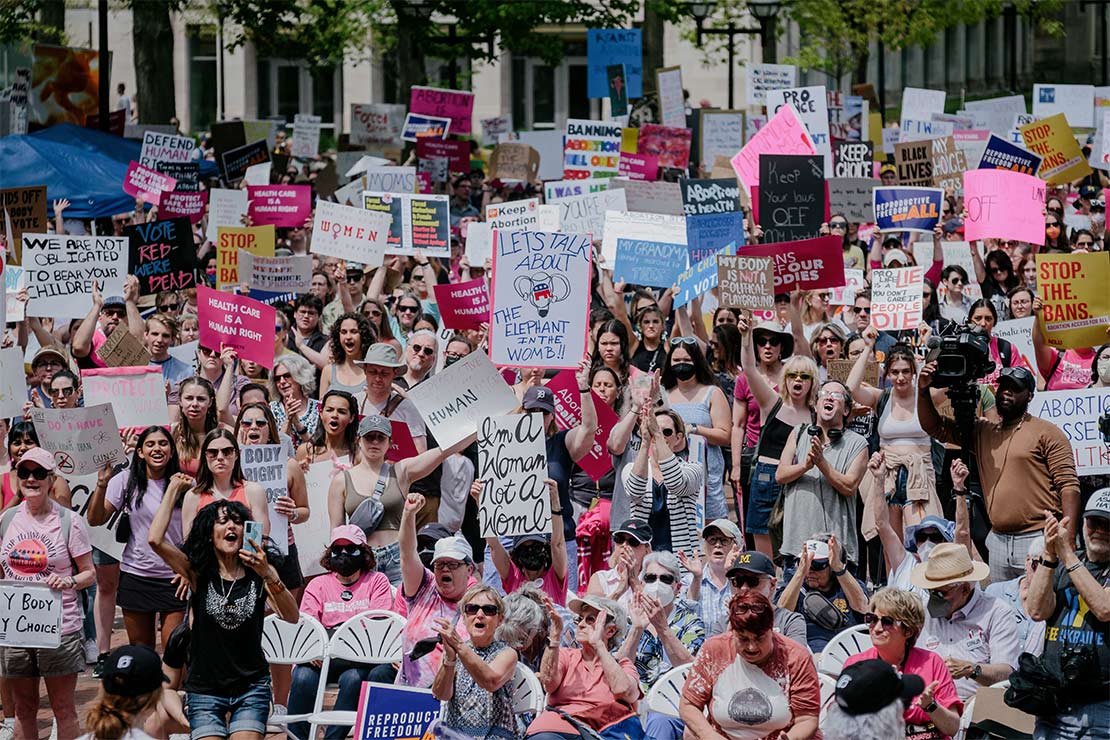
(660, 591)
(448, 361)
(937, 606)
(924, 549)
(1103, 368)
(426, 556)
(683, 370)
(531, 559)
(347, 565)
(211, 275)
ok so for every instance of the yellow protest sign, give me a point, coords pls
(1075, 289)
(1053, 139)
(630, 140)
(258, 240)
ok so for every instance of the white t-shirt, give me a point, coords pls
(124, 103)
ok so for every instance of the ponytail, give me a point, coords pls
(111, 717)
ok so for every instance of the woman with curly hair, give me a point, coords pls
(296, 411)
(351, 336)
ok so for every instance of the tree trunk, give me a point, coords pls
(410, 54)
(652, 30)
(154, 85)
(863, 56)
(53, 16)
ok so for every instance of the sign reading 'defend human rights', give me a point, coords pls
(158, 148)
(162, 255)
(238, 322)
(30, 614)
(512, 465)
(61, 271)
(907, 209)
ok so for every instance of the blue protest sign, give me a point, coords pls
(389, 712)
(606, 47)
(642, 262)
(709, 233)
(699, 279)
(1002, 155)
(907, 209)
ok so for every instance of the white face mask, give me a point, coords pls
(1103, 368)
(924, 549)
(660, 591)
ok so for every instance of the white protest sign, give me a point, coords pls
(291, 274)
(846, 294)
(82, 440)
(13, 383)
(364, 162)
(61, 270)
(548, 218)
(672, 101)
(954, 253)
(103, 537)
(259, 174)
(1018, 332)
(479, 243)
(513, 215)
(15, 280)
(349, 233)
(585, 214)
(315, 534)
(541, 298)
(137, 395)
(1076, 412)
(650, 197)
(722, 134)
(652, 227)
(30, 615)
(558, 190)
(306, 136)
(390, 179)
(165, 148)
(265, 465)
(512, 465)
(492, 128)
(456, 399)
(922, 102)
(225, 208)
(377, 124)
(548, 143)
(759, 78)
(924, 129)
(896, 298)
(1076, 102)
(812, 106)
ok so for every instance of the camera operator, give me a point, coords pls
(1025, 465)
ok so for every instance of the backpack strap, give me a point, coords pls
(66, 516)
(383, 480)
(884, 399)
(1006, 353)
(762, 432)
(392, 403)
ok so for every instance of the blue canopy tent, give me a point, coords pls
(83, 165)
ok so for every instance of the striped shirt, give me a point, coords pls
(682, 482)
(713, 604)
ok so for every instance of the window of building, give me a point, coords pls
(201, 43)
(286, 88)
(542, 96)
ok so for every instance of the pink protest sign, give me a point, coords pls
(181, 204)
(454, 104)
(455, 151)
(280, 205)
(401, 445)
(239, 322)
(424, 182)
(143, 182)
(807, 264)
(638, 166)
(1004, 205)
(463, 306)
(783, 134)
(568, 413)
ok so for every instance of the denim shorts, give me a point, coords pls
(388, 561)
(764, 492)
(898, 496)
(249, 712)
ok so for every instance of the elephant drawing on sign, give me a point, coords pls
(541, 289)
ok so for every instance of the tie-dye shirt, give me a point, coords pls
(422, 609)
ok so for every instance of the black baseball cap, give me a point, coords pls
(434, 531)
(1020, 376)
(132, 670)
(752, 561)
(868, 686)
(637, 528)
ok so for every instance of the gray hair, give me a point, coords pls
(524, 618)
(664, 559)
(425, 333)
(881, 725)
(301, 372)
(620, 619)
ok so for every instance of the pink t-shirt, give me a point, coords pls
(1072, 372)
(99, 338)
(930, 667)
(742, 392)
(423, 609)
(550, 584)
(333, 603)
(33, 548)
(583, 693)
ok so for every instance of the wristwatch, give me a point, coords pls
(977, 671)
(930, 707)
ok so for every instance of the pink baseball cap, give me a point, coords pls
(40, 457)
(348, 533)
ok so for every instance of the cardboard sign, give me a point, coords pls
(61, 271)
(1000, 154)
(123, 349)
(638, 166)
(351, 234)
(853, 159)
(30, 613)
(907, 209)
(650, 197)
(162, 255)
(512, 465)
(306, 136)
(708, 234)
(591, 149)
(699, 278)
(511, 161)
(291, 274)
(418, 127)
(463, 306)
(1076, 299)
(457, 105)
(1004, 205)
(853, 198)
(585, 214)
(949, 165)
(670, 145)
(646, 226)
(914, 163)
(493, 127)
(896, 298)
(760, 78)
(541, 283)
(1076, 102)
(390, 179)
(258, 240)
(651, 263)
(746, 282)
(840, 370)
(13, 382)
(159, 148)
(721, 134)
(280, 205)
(1076, 412)
(143, 182)
(812, 106)
(239, 322)
(783, 134)
(24, 210)
(266, 465)
(550, 146)
(137, 395)
(700, 197)
(82, 440)
(237, 161)
(455, 151)
(416, 222)
(568, 414)
(553, 192)
(513, 215)
(184, 204)
(226, 208)
(377, 124)
(378, 717)
(609, 46)
(672, 101)
(791, 197)
(804, 265)
(454, 401)
(1052, 138)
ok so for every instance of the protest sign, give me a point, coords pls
(162, 255)
(143, 182)
(672, 101)
(314, 534)
(907, 209)
(1000, 154)
(920, 130)
(568, 414)
(291, 274)
(479, 241)
(1052, 138)
(237, 161)
(463, 306)
(670, 145)
(390, 179)
(24, 210)
(805, 265)
(651, 263)
(184, 204)
(896, 298)
(618, 90)
(650, 197)
(1004, 205)
(512, 466)
(137, 395)
(455, 151)
(1018, 332)
(123, 349)
(455, 400)
(82, 440)
(1075, 102)
(550, 146)
(995, 114)
(513, 161)
(849, 118)
(159, 148)
(352, 234)
(456, 105)
(840, 370)
(306, 136)
(553, 192)
(914, 163)
(238, 322)
(638, 166)
(721, 134)
(389, 712)
(416, 222)
(746, 282)
(418, 127)
(1077, 412)
(225, 208)
(1076, 300)
(548, 218)
(353, 164)
(917, 100)
(13, 382)
(949, 164)
(608, 46)
(102, 537)
(541, 283)
(853, 198)
(591, 149)
(759, 78)
(811, 105)
(280, 205)
(377, 124)
(15, 280)
(61, 271)
(634, 225)
(853, 159)
(585, 214)
(791, 196)
(514, 215)
(708, 234)
(700, 197)
(493, 127)
(30, 613)
(266, 466)
(258, 240)
(954, 253)
(853, 281)
(783, 134)
(699, 278)
(258, 174)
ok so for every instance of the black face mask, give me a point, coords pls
(348, 565)
(683, 370)
(531, 559)
(448, 361)
(426, 554)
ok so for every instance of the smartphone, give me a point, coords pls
(422, 647)
(252, 530)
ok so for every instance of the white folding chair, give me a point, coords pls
(371, 638)
(528, 693)
(828, 690)
(293, 644)
(843, 646)
(665, 694)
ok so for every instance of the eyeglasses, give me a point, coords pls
(871, 619)
(945, 591)
(831, 394)
(447, 565)
(1052, 226)
(861, 309)
(426, 351)
(742, 609)
(278, 328)
(666, 578)
(37, 473)
(587, 619)
(453, 356)
(625, 539)
(340, 551)
(117, 313)
(416, 277)
(956, 280)
(667, 432)
(169, 306)
(215, 452)
(795, 375)
(374, 313)
(253, 423)
(490, 610)
(838, 224)
(67, 392)
(675, 341)
(47, 363)
(739, 581)
(408, 309)
(768, 341)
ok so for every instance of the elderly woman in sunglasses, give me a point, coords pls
(894, 620)
(296, 412)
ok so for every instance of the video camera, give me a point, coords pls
(961, 358)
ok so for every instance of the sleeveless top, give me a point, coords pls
(776, 432)
(479, 713)
(901, 431)
(7, 489)
(239, 493)
(336, 385)
(393, 500)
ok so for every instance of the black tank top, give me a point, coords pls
(775, 433)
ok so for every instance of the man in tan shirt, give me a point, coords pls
(1026, 466)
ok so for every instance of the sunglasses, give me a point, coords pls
(374, 313)
(667, 432)
(354, 278)
(926, 294)
(248, 423)
(625, 539)
(67, 392)
(278, 328)
(591, 619)
(414, 278)
(1052, 226)
(828, 340)
(666, 578)
(935, 537)
(683, 340)
(283, 376)
(768, 341)
(408, 309)
(751, 581)
(215, 452)
(838, 225)
(426, 351)
(871, 619)
(352, 550)
(860, 309)
(819, 565)
(37, 473)
(490, 610)
(794, 375)
(117, 313)
(1084, 244)
(169, 306)
(956, 280)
